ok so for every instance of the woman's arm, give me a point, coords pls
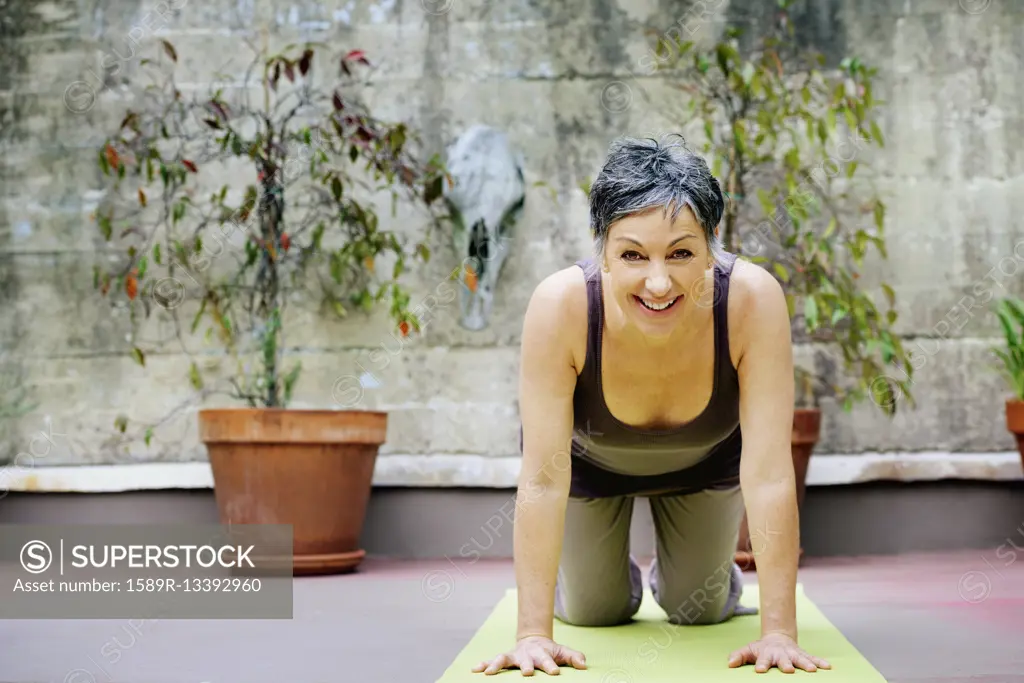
(766, 466)
(546, 384)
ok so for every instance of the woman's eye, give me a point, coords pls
(635, 256)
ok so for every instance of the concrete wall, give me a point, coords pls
(563, 78)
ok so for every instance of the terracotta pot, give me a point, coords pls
(309, 468)
(806, 431)
(1015, 423)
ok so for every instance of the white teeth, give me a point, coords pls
(658, 307)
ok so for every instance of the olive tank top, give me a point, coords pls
(610, 458)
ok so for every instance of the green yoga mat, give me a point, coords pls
(650, 650)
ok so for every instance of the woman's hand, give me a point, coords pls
(531, 653)
(776, 649)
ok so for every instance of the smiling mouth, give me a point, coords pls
(657, 307)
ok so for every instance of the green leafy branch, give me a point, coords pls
(780, 127)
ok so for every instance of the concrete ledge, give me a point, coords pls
(462, 471)
(469, 523)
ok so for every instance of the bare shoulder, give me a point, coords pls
(556, 316)
(751, 284)
(757, 306)
(563, 289)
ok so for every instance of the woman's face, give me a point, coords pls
(658, 270)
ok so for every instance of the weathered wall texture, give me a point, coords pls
(563, 78)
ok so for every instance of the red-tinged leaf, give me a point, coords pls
(112, 158)
(219, 108)
(189, 165)
(403, 327)
(289, 71)
(304, 62)
(357, 56)
(131, 286)
(169, 49)
(286, 241)
(338, 105)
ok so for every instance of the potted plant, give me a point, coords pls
(225, 214)
(787, 135)
(1010, 311)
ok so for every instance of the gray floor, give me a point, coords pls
(914, 617)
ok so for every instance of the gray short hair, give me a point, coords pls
(641, 174)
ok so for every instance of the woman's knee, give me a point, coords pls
(580, 603)
(606, 612)
(698, 608)
(697, 602)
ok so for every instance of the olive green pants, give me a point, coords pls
(693, 576)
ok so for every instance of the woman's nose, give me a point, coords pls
(658, 284)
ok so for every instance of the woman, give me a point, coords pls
(640, 368)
